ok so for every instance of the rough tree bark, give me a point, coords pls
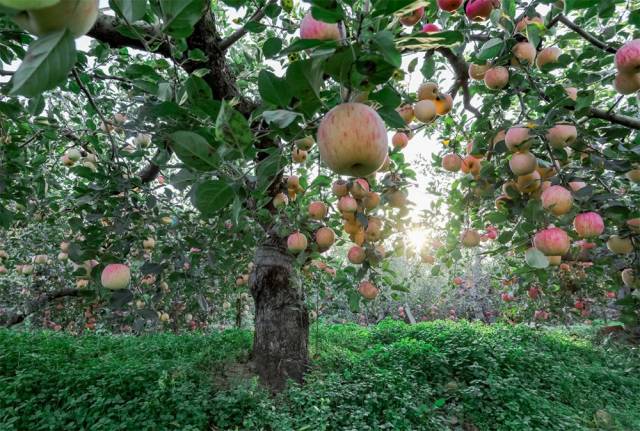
(280, 343)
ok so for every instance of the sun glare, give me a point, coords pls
(418, 238)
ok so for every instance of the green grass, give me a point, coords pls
(430, 376)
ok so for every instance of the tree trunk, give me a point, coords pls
(280, 343)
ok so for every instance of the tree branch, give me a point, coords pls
(235, 36)
(39, 302)
(106, 30)
(586, 36)
(623, 120)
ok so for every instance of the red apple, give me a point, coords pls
(588, 224)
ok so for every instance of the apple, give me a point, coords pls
(634, 224)
(413, 17)
(82, 283)
(628, 277)
(479, 10)
(73, 154)
(373, 231)
(533, 292)
(63, 257)
(325, 237)
(3, 270)
(425, 111)
(627, 59)
(557, 200)
(522, 24)
(540, 315)
(4, 255)
(115, 276)
(626, 83)
(444, 104)
(507, 297)
(449, 5)
(347, 204)
(478, 71)
(523, 163)
(562, 135)
(588, 224)
(529, 183)
(547, 56)
(471, 165)
(552, 241)
(78, 16)
(149, 244)
(304, 144)
(579, 305)
(427, 258)
(400, 140)
(496, 78)
(619, 245)
(572, 93)
(633, 175)
(40, 259)
(280, 200)
(352, 139)
(317, 210)
(356, 255)
(406, 112)
(577, 185)
(298, 155)
(340, 188)
(428, 91)
(371, 201)
(518, 139)
(367, 290)
(451, 162)
(470, 238)
(311, 28)
(296, 242)
(397, 199)
(66, 161)
(359, 188)
(524, 53)
(431, 28)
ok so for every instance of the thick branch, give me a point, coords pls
(461, 70)
(623, 120)
(105, 30)
(38, 303)
(235, 36)
(586, 36)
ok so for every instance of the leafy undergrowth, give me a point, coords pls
(430, 376)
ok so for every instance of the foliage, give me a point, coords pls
(430, 376)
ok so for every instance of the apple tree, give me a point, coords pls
(273, 121)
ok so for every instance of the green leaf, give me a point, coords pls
(272, 47)
(131, 10)
(47, 64)
(383, 40)
(273, 89)
(233, 128)
(194, 151)
(536, 259)
(391, 117)
(491, 49)
(570, 5)
(425, 41)
(211, 196)
(399, 7)
(255, 27)
(280, 118)
(181, 16)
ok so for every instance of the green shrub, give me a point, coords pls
(430, 376)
